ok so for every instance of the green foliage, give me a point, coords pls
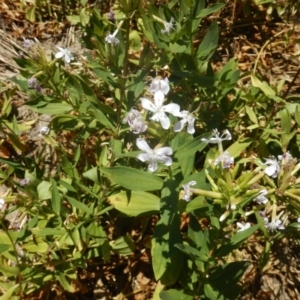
(104, 174)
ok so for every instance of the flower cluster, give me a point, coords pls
(218, 139)
(154, 156)
(135, 121)
(272, 168)
(24, 181)
(273, 165)
(168, 26)
(225, 159)
(34, 84)
(64, 53)
(188, 190)
(160, 88)
(243, 227)
(273, 225)
(27, 44)
(261, 199)
(44, 130)
(111, 38)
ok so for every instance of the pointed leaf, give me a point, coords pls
(135, 204)
(133, 179)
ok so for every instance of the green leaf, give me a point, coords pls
(166, 258)
(210, 10)
(133, 179)
(40, 247)
(30, 14)
(55, 198)
(236, 241)
(7, 295)
(209, 44)
(175, 295)
(64, 282)
(297, 114)
(135, 204)
(93, 174)
(286, 122)
(84, 17)
(73, 19)
(66, 122)
(225, 279)
(79, 205)
(251, 114)
(43, 190)
(101, 118)
(239, 146)
(192, 252)
(198, 202)
(210, 293)
(47, 231)
(135, 40)
(263, 86)
(124, 245)
(4, 247)
(178, 47)
(190, 147)
(52, 108)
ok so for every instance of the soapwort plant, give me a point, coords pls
(131, 142)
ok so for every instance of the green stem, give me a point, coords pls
(125, 71)
(19, 278)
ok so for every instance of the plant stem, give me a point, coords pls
(19, 278)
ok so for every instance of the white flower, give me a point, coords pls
(27, 43)
(111, 38)
(168, 26)
(287, 161)
(154, 156)
(2, 202)
(44, 130)
(161, 85)
(24, 181)
(187, 190)
(243, 227)
(216, 139)
(272, 168)
(225, 159)
(135, 121)
(261, 199)
(188, 118)
(65, 53)
(159, 109)
(273, 225)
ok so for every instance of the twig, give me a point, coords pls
(264, 46)
(291, 84)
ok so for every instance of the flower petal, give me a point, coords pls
(172, 108)
(179, 125)
(191, 128)
(164, 151)
(164, 121)
(60, 49)
(59, 55)
(152, 167)
(227, 136)
(143, 145)
(166, 161)
(159, 98)
(271, 171)
(143, 157)
(147, 104)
